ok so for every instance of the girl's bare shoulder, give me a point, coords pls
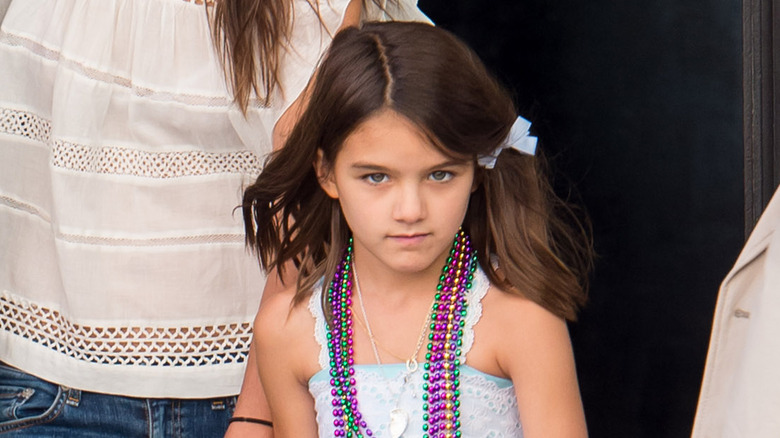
(514, 310)
(511, 329)
(531, 346)
(285, 329)
(278, 313)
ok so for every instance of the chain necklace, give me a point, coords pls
(399, 417)
(411, 362)
(441, 378)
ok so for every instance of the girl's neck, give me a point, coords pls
(386, 285)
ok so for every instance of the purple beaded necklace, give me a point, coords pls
(441, 378)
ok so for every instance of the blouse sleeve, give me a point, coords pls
(400, 10)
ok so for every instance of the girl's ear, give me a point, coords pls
(325, 176)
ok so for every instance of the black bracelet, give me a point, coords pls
(251, 420)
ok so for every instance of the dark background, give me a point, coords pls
(639, 105)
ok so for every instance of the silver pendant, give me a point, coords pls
(399, 419)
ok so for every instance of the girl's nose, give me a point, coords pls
(410, 204)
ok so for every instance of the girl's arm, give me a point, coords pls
(540, 362)
(285, 359)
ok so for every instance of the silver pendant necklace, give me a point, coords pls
(399, 417)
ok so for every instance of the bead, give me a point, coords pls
(440, 379)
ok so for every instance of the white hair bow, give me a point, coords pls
(519, 139)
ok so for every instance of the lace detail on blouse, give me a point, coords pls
(115, 345)
(24, 124)
(127, 161)
(488, 404)
(320, 326)
(479, 288)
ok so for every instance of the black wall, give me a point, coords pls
(639, 104)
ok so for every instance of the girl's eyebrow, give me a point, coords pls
(452, 162)
(362, 166)
(369, 167)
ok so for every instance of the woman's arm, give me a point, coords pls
(4, 4)
(287, 120)
(251, 401)
(251, 404)
(540, 362)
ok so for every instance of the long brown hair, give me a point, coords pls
(250, 36)
(430, 77)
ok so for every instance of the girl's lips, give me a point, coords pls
(409, 239)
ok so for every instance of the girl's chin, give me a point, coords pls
(418, 267)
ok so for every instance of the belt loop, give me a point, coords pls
(74, 397)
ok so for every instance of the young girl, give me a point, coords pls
(435, 276)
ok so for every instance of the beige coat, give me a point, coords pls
(740, 394)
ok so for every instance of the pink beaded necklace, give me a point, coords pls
(441, 378)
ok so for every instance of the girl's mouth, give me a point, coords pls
(409, 239)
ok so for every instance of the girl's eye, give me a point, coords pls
(376, 178)
(441, 175)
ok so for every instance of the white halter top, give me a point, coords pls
(488, 403)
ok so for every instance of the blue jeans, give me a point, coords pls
(31, 407)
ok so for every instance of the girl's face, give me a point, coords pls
(403, 199)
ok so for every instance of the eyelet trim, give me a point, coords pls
(135, 345)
